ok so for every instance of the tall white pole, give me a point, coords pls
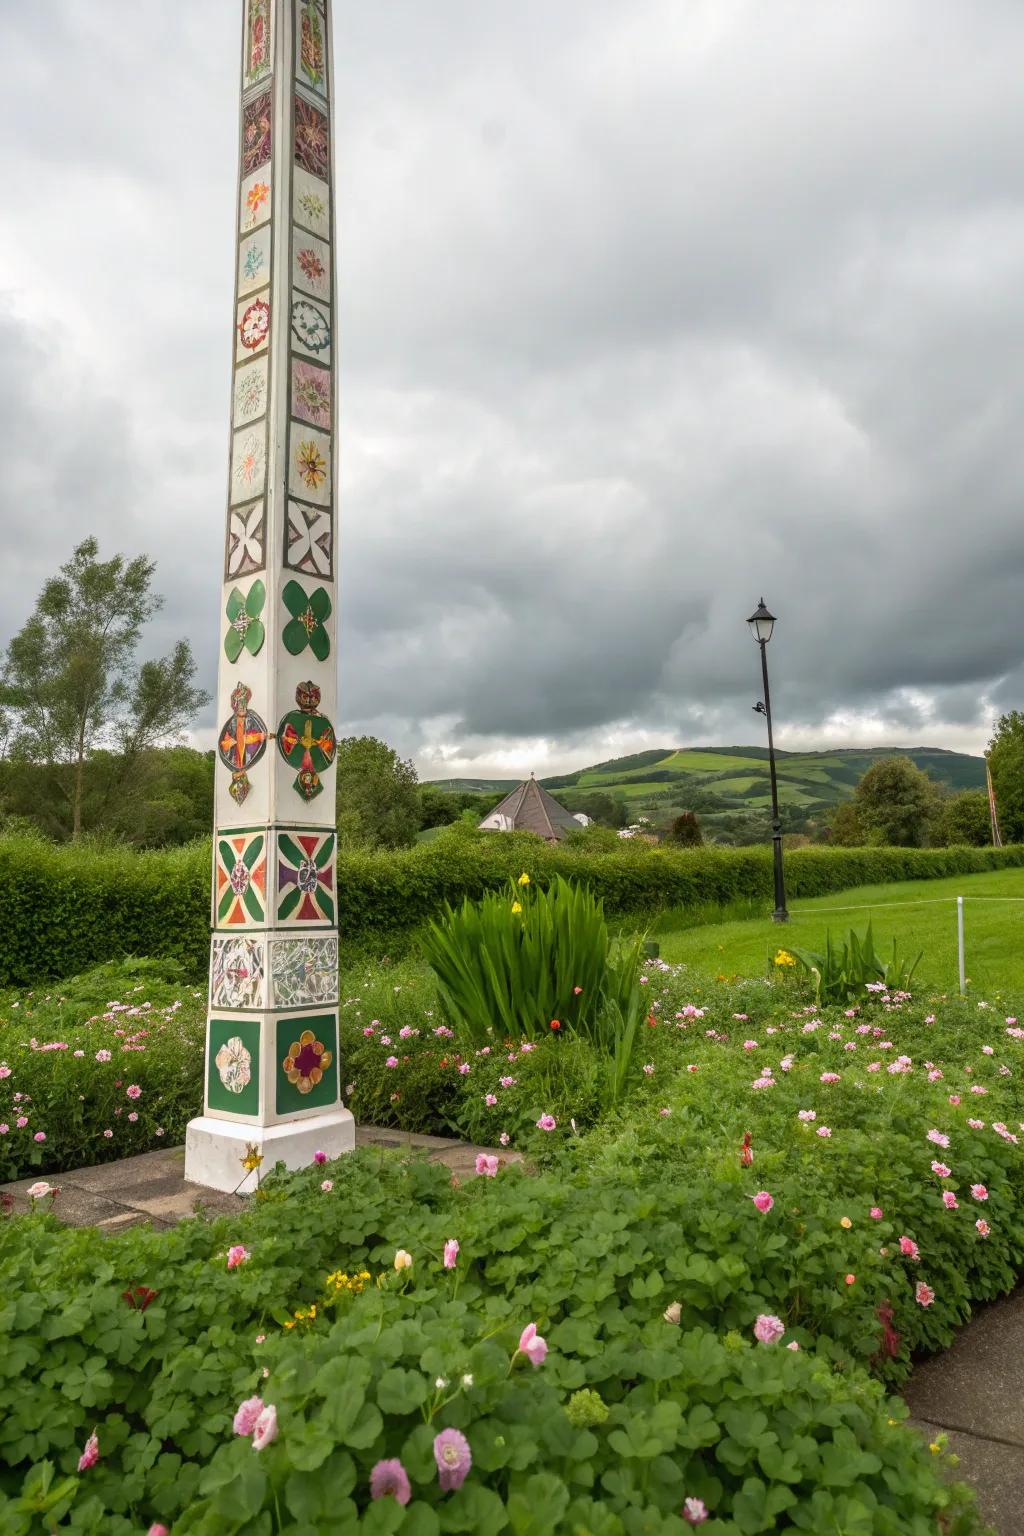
(272, 1070)
(960, 942)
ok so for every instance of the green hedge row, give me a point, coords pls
(63, 909)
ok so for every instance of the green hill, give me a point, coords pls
(729, 788)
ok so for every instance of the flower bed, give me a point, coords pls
(376, 1350)
(110, 1065)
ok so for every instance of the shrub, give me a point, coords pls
(846, 968)
(69, 908)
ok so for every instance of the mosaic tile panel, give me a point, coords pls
(311, 203)
(253, 328)
(311, 328)
(305, 877)
(304, 972)
(310, 46)
(238, 970)
(309, 465)
(309, 539)
(233, 1069)
(311, 393)
(311, 266)
(307, 1062)
(240, 875)
(255, 203)
(245, 543)
(254, 261)
(258, 39)
(251, 391)
(312, 139)
(248, 463)
(256, 119)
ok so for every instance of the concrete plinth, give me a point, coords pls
(214, 1149)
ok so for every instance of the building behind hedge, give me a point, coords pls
(529, 808)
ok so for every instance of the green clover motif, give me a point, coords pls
(246, 631)
(309, 615)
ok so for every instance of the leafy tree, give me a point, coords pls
(964, 818)
(843, 828)
(379, 802)
(685, 831)
(1006, 764)
(70, 684)
(896, 803)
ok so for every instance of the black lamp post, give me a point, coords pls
(761, 625)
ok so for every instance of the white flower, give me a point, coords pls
(467, 1380)
(441, 1383)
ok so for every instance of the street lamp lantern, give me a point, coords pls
(762, 623)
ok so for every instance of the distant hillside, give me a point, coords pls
(729, 788)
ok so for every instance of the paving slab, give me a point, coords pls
(995, 1471)
(152, 1186)
(977, 1385)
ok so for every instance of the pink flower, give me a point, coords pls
(793, 1345)
(265, 1429)
(133, 1091)
(750, 1045)
(763, 1200)
(823, 1130)
(102, 1055)
(983, 1227)
(392, 1061)
(664, 1112)
(909, 1248)
(21, 1122)
(503, 1139)
(949, 1200)
(319, 1157)
(451, 1253)
(694, 1511)
(942, 1171)
(546, 1123)
(390, 1477)
(979, 1192)
(39, 1136)
(108, 1134)
(237, 1255)
(829, 1077)
(923, 1294)
(507, 1082)
(851, 1279)
(90, 1455)
(939, 1138)
(976, 1125)
(954, 1099)
(490, 1100)
(156, 1529)
(648, 1069)
(327, 1186)
(807, 1114)
(486, 1165)
(246, 1415)
(876, 1213)
(133, 1117)
(768, 1329)
(532, 1345)
(453, 1457)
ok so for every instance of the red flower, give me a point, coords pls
(555, 1024)
(139, 1298)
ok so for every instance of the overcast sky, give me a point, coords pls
(646, 308)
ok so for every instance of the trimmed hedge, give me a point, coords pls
(65, 909)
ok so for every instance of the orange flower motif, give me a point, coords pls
(312, 465)
(307, 1061)
(257, 195)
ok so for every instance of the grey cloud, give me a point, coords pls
(644, 310)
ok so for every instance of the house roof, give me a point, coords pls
(529, 808)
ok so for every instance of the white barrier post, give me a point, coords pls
(960, 942)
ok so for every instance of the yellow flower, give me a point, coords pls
(935, 1448)
(524, 878)
(844, 1221)
(252, 1159)
(517, 906)
(403, 1260)
(784, 958)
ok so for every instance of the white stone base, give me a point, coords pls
(214, 1149)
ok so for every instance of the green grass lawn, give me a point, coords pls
(993, 930)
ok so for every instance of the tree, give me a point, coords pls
(964, 819)
(896, 803)
(70, 683)
(843, 828)
(685, 831)
(1006, 764)
(378, 795)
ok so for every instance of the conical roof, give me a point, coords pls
(529, 808)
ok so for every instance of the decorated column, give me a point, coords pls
(272, 1070)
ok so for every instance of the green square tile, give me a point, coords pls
(307, 1076)
(233, 1078)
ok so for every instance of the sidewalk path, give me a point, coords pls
(975, 1392)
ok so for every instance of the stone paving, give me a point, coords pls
(152, 1187)
(974, 1391)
